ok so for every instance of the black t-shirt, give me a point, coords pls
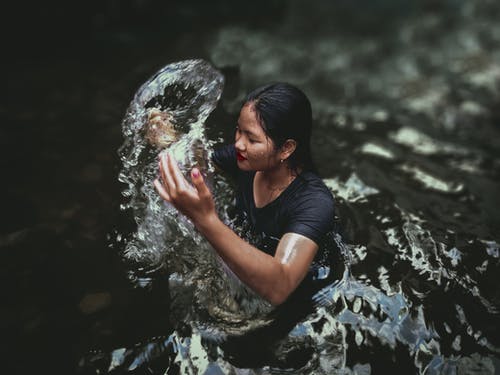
(305, 207)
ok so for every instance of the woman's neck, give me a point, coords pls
(269, 184)
(278, 178)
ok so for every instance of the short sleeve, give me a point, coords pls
(225, 158)
(312, 215)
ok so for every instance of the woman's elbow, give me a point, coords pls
(279, 291)
(277, 297)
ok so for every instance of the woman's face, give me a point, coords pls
(255, 150)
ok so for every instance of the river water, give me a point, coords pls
(406, 105)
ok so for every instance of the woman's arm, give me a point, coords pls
(274, 278)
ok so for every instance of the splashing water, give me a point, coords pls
(185, 93)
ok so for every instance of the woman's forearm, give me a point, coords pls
(263, 273)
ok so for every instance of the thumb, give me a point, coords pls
(198, 182)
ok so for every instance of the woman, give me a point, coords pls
(285, 203)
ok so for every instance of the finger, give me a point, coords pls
(179, 180)
(167, 178)
(161, 190)
(161, 170)
(199, 182)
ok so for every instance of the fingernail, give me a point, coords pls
(196, 173)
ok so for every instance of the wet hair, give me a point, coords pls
(284, 112)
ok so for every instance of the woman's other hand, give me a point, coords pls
(194, 201)
(159, 129)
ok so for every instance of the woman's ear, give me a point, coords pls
(288, 148)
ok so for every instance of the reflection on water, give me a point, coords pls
(407, 141)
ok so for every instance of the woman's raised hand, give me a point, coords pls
(195, 202)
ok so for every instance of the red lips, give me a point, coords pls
(240, 157)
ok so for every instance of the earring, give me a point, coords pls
(281, 160)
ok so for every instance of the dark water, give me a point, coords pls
(406, 103)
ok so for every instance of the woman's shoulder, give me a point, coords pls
(311, 196)
(313, 186)
(310, 208)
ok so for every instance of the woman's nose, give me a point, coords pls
(239, 144)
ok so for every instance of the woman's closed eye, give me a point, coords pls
(238, 132)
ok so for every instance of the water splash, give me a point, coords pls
(184, 93)
(181, 95)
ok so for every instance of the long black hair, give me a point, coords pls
(284, 112)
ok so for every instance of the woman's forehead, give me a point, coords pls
(249, 121)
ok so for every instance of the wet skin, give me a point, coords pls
(255, 150)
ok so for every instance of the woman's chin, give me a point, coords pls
(243, 165)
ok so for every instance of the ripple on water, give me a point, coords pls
(432, 182)
(423, 144)
(352, 190)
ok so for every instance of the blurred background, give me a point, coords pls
(374, 70)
